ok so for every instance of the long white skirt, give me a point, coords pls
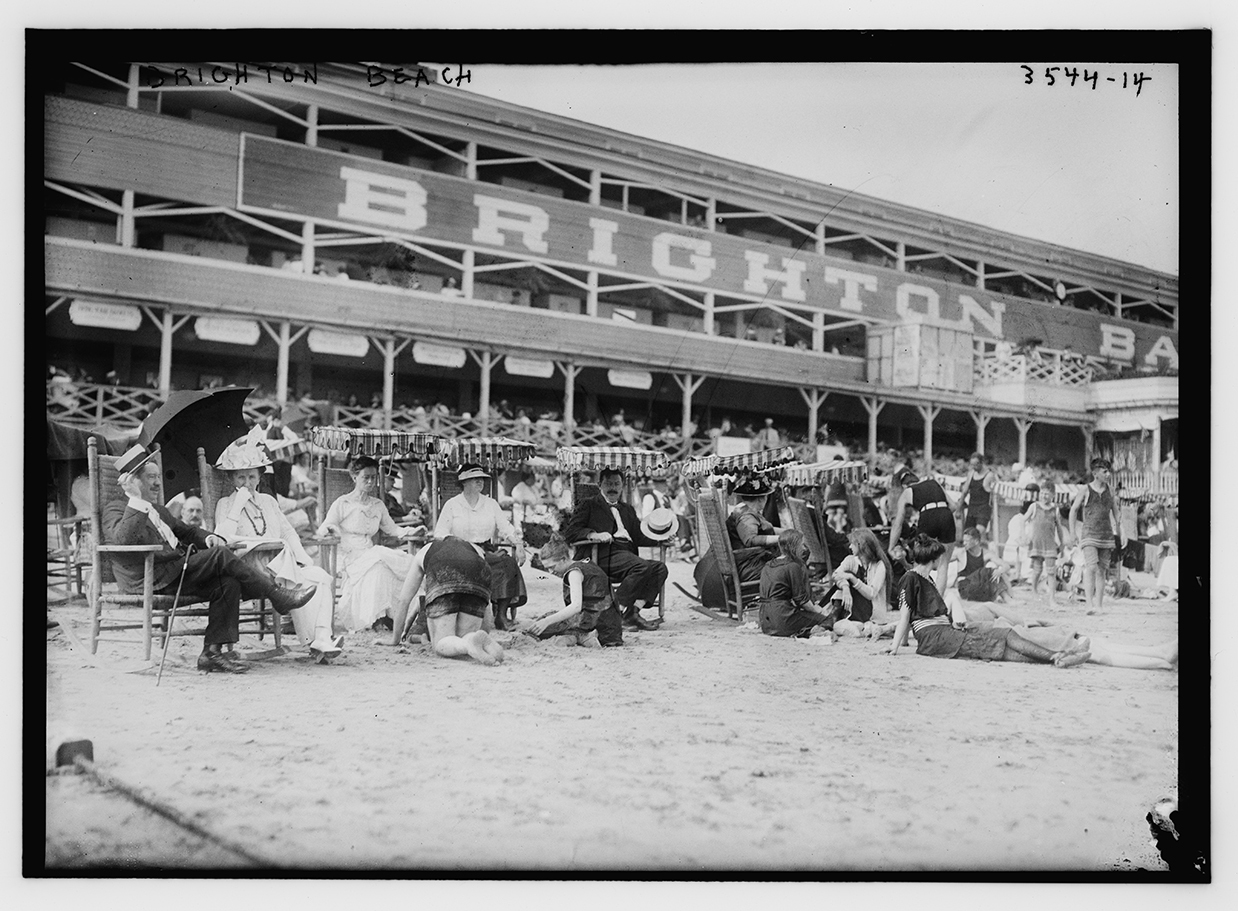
(370, 585)
(314, 619)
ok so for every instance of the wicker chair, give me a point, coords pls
(113, 611)
(741, 597)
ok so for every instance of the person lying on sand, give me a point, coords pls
(1162, 657)
(457, 582)
(589, 616)
(787, 608)
(942, 633)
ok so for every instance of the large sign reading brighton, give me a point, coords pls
(282, 178)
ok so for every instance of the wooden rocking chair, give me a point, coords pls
(741, 597)
(114, 611)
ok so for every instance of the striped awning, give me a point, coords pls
(745, 461)
(821, 474)
(288, 450)
(397, 444)
(642, 462)
(489, 452)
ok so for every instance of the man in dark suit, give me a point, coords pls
(211, 571)
(613, 526)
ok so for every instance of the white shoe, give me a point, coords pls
(324, 648)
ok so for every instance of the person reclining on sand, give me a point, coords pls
(457, 582)
(941, 629)
(589, 616)
(1162, 657)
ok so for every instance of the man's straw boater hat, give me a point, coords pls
(661, 524)
(135, 457)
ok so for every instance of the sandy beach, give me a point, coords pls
(700, 747)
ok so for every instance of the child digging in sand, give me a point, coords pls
(457, 582)
(589, 616)
(941, 630)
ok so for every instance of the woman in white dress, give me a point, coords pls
(371, 575)
(247, 515)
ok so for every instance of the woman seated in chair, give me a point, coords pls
(754, 542)
(371, 574)
(247, 515)
(457, 586)
(477, 518)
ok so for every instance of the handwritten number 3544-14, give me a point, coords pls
(1069, 75)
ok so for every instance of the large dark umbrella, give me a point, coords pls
(209, 418)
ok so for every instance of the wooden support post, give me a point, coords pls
(711, 214)
(307, 248)
(708, 313)
(311, 125)
(486, 361)
(595, 188)
(466, 275)
(689, 385)
(1023, 425)
(388, 350)
(165, 354)
(131, 96)
(980, 274)
(284, 339)
(982, 421)
(900, 263)
(814, 398)
(818, 331)
(591, 295)
(470, 161)
(873, 406)
(570, 371)
(819, 238)
(928, 412)
(281, 364)
(1089, 436)
(125, 228)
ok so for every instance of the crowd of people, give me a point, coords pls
(933, 534)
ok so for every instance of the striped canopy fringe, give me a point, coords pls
(639, 462)
(736, 464)
(489, 452)
(379, 444)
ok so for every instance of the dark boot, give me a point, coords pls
(286, 600)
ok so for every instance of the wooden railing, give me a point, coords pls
(90, 405)
(1052, 368)
(1158, 482)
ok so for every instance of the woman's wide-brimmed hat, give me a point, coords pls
(752, 488)
(660, 525)
(836, 495)
(469, 472)
(244, 453)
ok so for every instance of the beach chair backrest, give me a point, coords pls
(104, 489)
(803, 521)
(215, 485)
(713, 516)
(332, 484)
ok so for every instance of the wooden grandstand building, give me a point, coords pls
(298, 228)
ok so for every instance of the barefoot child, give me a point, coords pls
(1044, 537)
(589, 616)
(457, 582)
(941, 630)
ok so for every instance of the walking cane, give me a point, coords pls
(167, 636)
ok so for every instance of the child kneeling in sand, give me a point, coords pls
(941, 630)
(457, 582)
(589, 616)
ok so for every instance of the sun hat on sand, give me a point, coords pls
(660, 525)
